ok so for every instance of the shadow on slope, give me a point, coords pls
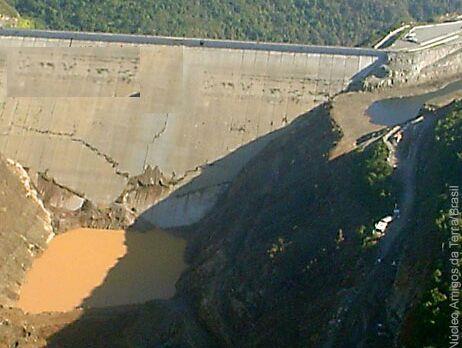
(189, 203)
(151, 257)
(273, 261)
(273, 253)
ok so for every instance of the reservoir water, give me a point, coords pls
(99, 268)
(392, 111)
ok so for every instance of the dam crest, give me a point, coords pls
(93, 113)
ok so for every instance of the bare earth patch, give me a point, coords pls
(349, 110)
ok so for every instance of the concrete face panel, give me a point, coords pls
(199, 111)
(72, 72)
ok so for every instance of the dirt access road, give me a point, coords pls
(361, 316)
(407, 157)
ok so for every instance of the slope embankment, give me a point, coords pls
(25, 228)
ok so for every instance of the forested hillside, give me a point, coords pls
(341, 22)
(427, 323)
(7, 10)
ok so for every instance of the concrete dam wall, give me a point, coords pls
(93, 111)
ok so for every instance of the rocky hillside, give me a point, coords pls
(428, 250)
(24, 229)
(294, 263)
(288, 257)
(10, 18)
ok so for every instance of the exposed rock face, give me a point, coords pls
(424, 66)
(154, 324)
(25, 227)
(71, 210)
(30, 331)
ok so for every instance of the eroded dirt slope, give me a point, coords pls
(25, 227)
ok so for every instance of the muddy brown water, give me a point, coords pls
(99, 268)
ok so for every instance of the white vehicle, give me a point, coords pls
(387, 219)
(382, 225)
(411, 37)
(398, 137)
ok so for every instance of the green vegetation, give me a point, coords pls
(430, 319)
(7, 10)
(332, 22)
(11, 18)
(376, 169)
(374, 186)
(28, 23)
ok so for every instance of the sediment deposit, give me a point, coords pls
(71, 272)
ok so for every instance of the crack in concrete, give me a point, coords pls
(44, 175)
(162, 131)
(156, 136)
(46, 132)
(71, 135)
